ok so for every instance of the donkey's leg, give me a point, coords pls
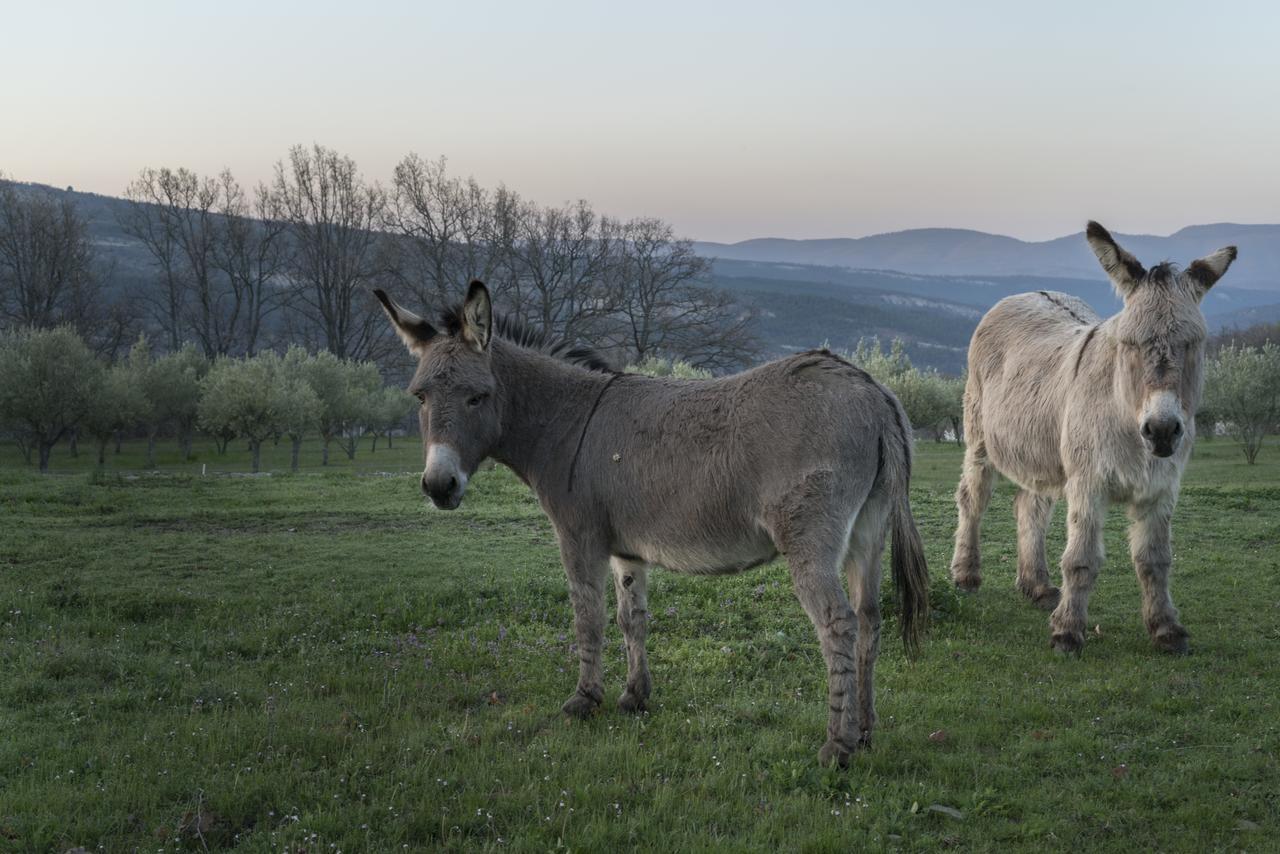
(972, 497)
(812, 524)
(817, 584)
(1149, 536)
(630, 582)
(586, 570)
(862, 566)
(1086, 513)
(1033, 513)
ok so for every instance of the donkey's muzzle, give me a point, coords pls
(445, 492)
(443, 480)
(1162, 435)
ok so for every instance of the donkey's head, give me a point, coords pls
(1160, 334)
(459, 416)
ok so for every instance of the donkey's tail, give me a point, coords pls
(910, 570)
(910, 576)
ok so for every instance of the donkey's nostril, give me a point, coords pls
(1146, 429)
(453, 485)
(1177, 428)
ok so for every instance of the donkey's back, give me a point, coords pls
(1021, 372)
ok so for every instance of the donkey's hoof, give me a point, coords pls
(864, 740)
(630, 702)
(1045, 598)
(580, 706)
(834, 752)
(1068, 643)
(966, 571)
(968, 581)
(1171, 639)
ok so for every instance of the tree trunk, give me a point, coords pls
(220, 442)
(297, 447)
(388, 440)
(45, 448)
(119, 440)
(255, 447)
(74, 443)
(324, 456)
(102, 451)
(374, 446)
(184, 443)
(151, 450)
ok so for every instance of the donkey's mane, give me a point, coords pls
(1163, 273)
(531, 338)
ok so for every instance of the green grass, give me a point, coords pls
(321, 662)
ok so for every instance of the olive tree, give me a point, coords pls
(387, 409)
(1242, 388)
(170, 387)
(48, 380)
(298, 407)
(342, 400)
(658, 367)
(236, 397)
(117, 406)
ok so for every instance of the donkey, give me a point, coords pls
(1066, 404)
(806, 456)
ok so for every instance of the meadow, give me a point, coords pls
(323, 662)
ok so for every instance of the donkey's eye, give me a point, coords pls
(421, 396)
(477, 399)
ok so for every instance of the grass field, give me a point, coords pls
(321, 662)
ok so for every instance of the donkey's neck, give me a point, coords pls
(545, 406)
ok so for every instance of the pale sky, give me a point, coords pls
(730, 120)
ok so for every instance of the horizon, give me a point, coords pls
(823, 120)
(819, 238)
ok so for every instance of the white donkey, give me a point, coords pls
(1064, 403)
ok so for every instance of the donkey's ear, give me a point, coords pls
(477, 316)
(1210, 268)
(1123, 269)
(415, 332)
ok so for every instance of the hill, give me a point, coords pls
(961, 252)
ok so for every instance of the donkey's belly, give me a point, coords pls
(1031, 462)
(716, 556)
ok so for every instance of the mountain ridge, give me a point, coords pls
(969, 252)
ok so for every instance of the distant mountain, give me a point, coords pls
(1243, 318)
(960, 252)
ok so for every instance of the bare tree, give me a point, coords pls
(667, 309)
(177, 215)
(453, 230)
(50, 272)
(560, 263)
(251, 251)
(331, 215)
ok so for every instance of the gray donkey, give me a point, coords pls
(1064, 403)
(806, 456)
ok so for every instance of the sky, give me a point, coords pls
(730, 120)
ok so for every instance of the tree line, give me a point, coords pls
(54, 388)
(224, 261)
